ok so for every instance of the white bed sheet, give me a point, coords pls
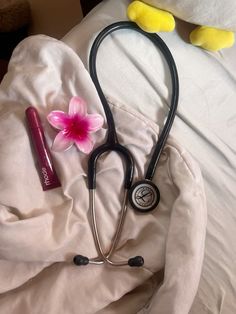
(131, 71)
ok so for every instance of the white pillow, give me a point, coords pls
(217, 13)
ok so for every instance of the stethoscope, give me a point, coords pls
(143, 195)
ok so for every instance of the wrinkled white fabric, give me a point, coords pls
(40, 232)
(216, 13)
(131, 70)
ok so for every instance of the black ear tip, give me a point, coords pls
(80, 260)
(136, 261)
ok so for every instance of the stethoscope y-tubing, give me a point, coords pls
(110, 146)
(112, 140)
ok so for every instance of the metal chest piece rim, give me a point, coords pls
(144, 196)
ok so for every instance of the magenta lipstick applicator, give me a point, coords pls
(48, 176)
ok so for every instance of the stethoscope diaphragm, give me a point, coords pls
(144, 196)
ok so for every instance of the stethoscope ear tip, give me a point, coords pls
(80, 260)
(137, 261)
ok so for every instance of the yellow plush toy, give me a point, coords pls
(216, 17)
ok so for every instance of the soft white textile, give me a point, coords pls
(130, 70)
(217, 13)
(40, 232)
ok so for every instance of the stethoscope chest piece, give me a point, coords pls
(144, 196)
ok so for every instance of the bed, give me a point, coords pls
(205, 126)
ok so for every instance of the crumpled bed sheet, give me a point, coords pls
(40, 232)
(131, 70)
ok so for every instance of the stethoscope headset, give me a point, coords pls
(143, 195)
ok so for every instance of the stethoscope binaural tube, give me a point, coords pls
(80, 260)
(143, 195)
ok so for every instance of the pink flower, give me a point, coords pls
(76, 126)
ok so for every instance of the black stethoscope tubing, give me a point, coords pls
(112, 140)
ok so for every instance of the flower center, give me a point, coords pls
(77, 128)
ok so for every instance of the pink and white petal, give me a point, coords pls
(61, 142)
(77, 106)
(85, 146)
(58, 119)
(95, 122)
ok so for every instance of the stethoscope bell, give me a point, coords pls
(144, 196)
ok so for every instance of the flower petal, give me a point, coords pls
(58, 119)
(77, 106)
(85, 146)
(95, 122)
(61, 142)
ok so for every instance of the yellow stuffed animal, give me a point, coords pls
(219, 16)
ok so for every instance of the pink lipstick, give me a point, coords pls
(48, 176)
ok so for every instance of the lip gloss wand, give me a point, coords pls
(47, 172)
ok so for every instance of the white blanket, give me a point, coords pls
(40, 232)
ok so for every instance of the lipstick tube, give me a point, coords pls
(47, 173)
